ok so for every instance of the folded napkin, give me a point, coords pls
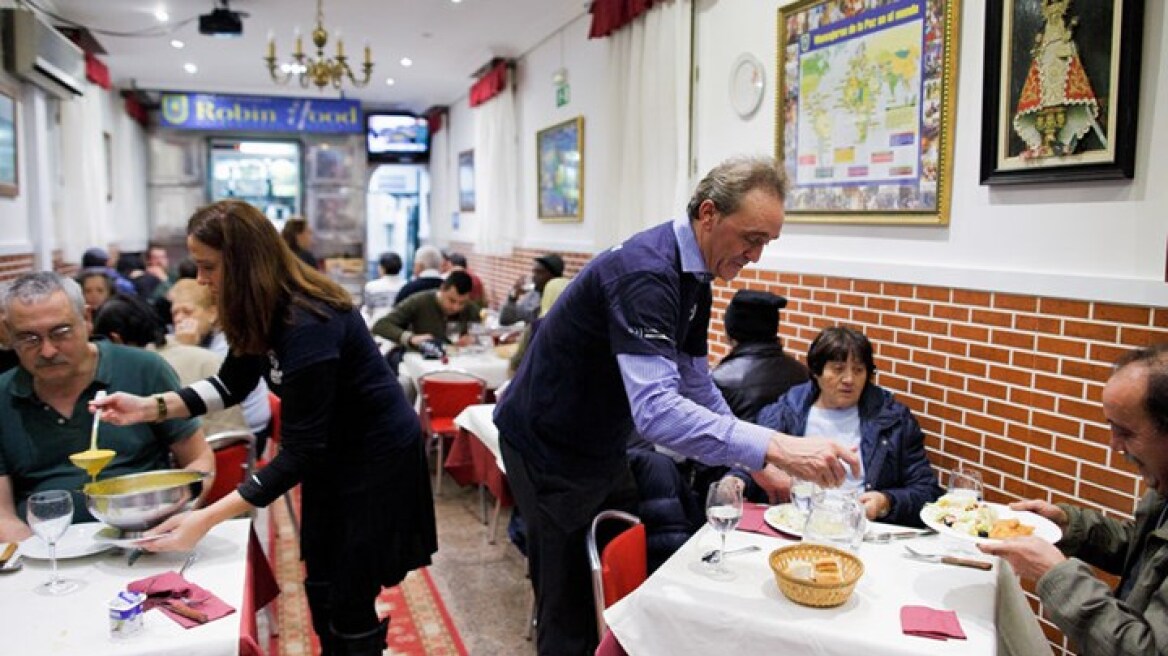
(182, 601)
(930, 623)
(753, 522)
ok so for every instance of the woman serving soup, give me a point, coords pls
(348, 433)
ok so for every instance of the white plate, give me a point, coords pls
(1043, 527)
(77, 542)
(111, 535)
(785, 518)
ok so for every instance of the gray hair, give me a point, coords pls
(35, 287)
(429, 257)
(729, 181)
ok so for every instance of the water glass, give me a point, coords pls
(49, 515)
(803, 493)
(723, 511)
(965, 483)
(453, 332)
(836, 519)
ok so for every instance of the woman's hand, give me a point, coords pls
(179, 533)
(122, 409)
(876, 504)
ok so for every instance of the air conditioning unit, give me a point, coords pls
(36, 52)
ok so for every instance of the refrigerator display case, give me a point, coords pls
(266, 174)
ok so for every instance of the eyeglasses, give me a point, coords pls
(34, 342)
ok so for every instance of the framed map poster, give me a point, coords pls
(865, 107)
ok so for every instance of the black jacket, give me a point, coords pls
(755, 374)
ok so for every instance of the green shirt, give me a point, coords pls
(36, 440)
(420, 314)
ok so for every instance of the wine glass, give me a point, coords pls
(723, 510)
(802, 493)
(837, 519)
(49, 515)
(965, 483)
(453, 332)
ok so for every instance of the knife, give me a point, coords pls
(887, 536)
(8, 551)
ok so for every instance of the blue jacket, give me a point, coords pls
(892, 446)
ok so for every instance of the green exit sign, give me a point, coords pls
(562, 95)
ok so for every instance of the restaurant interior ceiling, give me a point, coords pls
(446, 41)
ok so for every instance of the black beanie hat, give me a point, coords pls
(753, 316)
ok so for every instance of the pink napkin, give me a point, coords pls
(183, 601)
(753, 522)
(930, 623)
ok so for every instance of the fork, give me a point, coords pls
(948, 560)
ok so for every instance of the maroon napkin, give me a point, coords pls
(930, 623)
(183, 601)
(753, 522)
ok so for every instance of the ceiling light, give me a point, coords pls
(190, 68)
(176, 44)
(389, 81)
(161, 15)
(320, 71)
(407, 62)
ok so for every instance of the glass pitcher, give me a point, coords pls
(837, 519)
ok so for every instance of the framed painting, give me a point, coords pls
(865, 107)
(559, 154)
(9, 183)
(466, 186)
(1061, 90)
(330, 162)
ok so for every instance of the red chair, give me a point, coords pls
(234, 460)
(620, 567)
(445, 393)
(272, 448)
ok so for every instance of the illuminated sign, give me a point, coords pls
(202, 111)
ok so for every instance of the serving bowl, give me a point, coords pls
(139, 502)
(813, 593)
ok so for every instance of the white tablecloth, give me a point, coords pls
(487, 366)
(32, 624)
(682, 610)
(477, 420)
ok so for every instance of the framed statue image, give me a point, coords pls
(1061, 90)
(865, 109)
(560, 171)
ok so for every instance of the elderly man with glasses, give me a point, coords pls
(44, 413)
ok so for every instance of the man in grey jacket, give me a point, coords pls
(1132, 619)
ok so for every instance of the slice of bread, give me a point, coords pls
(800, 569)
(828, 570)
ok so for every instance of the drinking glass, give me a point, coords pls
(453, 332)
(837, 519)
(49, 515)
(802, 493)
(965, 483)
(723, 510)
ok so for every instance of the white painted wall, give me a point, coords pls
(1087, 240)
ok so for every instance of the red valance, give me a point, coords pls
(136, 110)
(97, 72)
(608, 16)
(434, 118)
(489, 85)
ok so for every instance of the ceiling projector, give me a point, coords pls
(221, 22)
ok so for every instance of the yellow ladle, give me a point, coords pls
(93, 459)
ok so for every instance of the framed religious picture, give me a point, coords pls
(560, 170)
(9, 183)
(1061, 90)
(466, 186)
(865, 106)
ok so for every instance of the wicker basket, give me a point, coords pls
(810, 593)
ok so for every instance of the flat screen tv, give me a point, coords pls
(396, 137)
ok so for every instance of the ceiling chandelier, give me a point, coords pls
(320, 71)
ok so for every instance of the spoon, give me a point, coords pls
(93, 459)
(714, 554)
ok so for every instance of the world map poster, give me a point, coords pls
(862, 96)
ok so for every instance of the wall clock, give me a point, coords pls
(747, 84)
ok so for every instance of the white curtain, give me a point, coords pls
(496, 174)
(649, 65)
(444, 191)
(83, 220)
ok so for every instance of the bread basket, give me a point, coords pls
(811, 593)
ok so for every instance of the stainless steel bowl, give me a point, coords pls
(139, 502)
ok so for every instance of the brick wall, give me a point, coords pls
(499, 273)
(14, 265)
